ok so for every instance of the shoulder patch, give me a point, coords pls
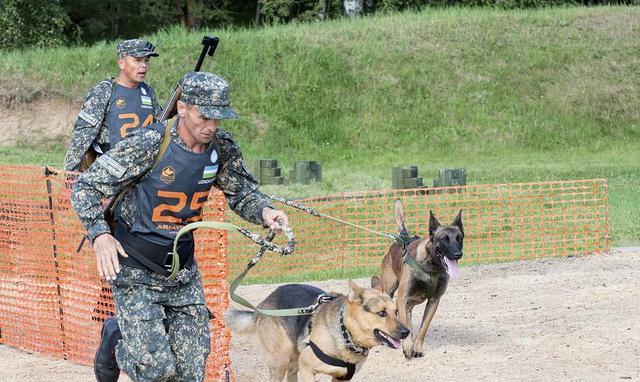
(88, 117)
(112, 166)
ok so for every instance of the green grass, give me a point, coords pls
(509, 95)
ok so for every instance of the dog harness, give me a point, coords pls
(434, 276)
(351, 367)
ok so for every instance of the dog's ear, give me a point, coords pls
(433, 224)
(376, 283)
(355, 292)
(400, 218)
(458, 221)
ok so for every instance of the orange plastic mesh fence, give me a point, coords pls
(502, 222)
(52, 300)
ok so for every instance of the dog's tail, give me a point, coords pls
(401, 218)
(240, 321)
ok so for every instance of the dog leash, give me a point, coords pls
(402, 240)
(266, 243)
(313, 212)
(263, 243)
(288, 312)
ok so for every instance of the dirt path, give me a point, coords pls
(569, 319)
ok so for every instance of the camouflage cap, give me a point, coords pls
(136, 48)
(208, 93)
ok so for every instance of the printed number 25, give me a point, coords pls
(167, 212)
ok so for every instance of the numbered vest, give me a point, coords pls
(127, 110)
(175, 192)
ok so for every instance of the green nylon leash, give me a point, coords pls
(269, 312)
(265, 244)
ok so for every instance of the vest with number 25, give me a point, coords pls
(175, 191)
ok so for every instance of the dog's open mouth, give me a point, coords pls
(386, 339)
(451, 266)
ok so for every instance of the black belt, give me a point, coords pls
(144, 254)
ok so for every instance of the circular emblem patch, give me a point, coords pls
(214, 156)
(120, 103)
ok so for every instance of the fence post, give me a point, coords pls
(47, 174)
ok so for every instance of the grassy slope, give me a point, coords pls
(511, 96)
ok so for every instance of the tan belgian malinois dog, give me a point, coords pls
(437, 259)
(335, 340)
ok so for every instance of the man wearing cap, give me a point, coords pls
(114, 107)
(165, 324)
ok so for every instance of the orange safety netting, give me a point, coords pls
(52, 300)
(502, 222)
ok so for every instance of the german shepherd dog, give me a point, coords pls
(335, 340)
(438, 255)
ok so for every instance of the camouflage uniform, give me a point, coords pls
(164, 324)
(91, 126)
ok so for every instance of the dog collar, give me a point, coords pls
(347, 337)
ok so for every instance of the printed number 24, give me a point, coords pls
(134, 121)
(167, 212)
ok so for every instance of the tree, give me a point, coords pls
(34, 23)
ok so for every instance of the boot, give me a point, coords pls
(104, 364)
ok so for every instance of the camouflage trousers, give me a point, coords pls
(164, 325)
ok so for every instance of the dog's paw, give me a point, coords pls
(407, 348)
(411, 354)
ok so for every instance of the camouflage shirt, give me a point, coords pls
(133, 158)
(91, 124)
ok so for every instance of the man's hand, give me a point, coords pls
(274, 218)
(106, 249)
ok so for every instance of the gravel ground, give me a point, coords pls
(563, 319)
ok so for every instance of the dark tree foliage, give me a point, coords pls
(26, 23)
(34, 23)
(111, 19)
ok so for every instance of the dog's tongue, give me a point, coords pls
(394, 342)
(452, 267)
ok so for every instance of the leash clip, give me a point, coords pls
(168, 261)
(322, 299)
(307, 310)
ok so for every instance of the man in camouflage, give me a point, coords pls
(114, 107)
(165, 324)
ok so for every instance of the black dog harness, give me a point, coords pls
(351, 367)
(322, 356)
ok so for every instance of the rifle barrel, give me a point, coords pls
(209, 45)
